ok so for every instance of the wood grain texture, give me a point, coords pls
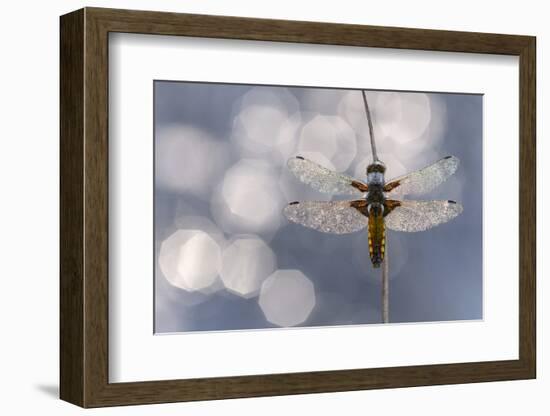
(84, 207)
(96, 219)
(527, 208)
(71, 100)
(162, 23)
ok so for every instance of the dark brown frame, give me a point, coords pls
(84, 209)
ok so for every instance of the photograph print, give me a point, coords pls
(295, 207)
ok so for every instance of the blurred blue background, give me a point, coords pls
(226, 258)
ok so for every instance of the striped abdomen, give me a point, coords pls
(377, 236)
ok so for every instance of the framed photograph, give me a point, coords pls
(257, 207)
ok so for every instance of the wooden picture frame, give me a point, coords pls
(84, 207)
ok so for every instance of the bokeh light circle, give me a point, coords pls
(191, 258)
(287, 298)
(249, 199)
(188, 160)
(332, 137)
(266, 123)
(405, 124)
(246, 262)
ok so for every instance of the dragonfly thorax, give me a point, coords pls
(375, 178)
(375, 196)
(375, 182)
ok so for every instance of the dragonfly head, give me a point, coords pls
(375, 173)
(376, 166)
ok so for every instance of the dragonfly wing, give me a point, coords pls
(423, 180)
(411, 216)
(337, 217)
(323, 179)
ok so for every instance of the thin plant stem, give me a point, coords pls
(371, 129)
(386, 265)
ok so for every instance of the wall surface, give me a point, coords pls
(29, 221)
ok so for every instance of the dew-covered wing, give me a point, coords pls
(323, 179)
(338, 217)
(411, 216)
(423, 180)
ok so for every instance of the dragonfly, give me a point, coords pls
(379, 204)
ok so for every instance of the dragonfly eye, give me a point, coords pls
(376, 166)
